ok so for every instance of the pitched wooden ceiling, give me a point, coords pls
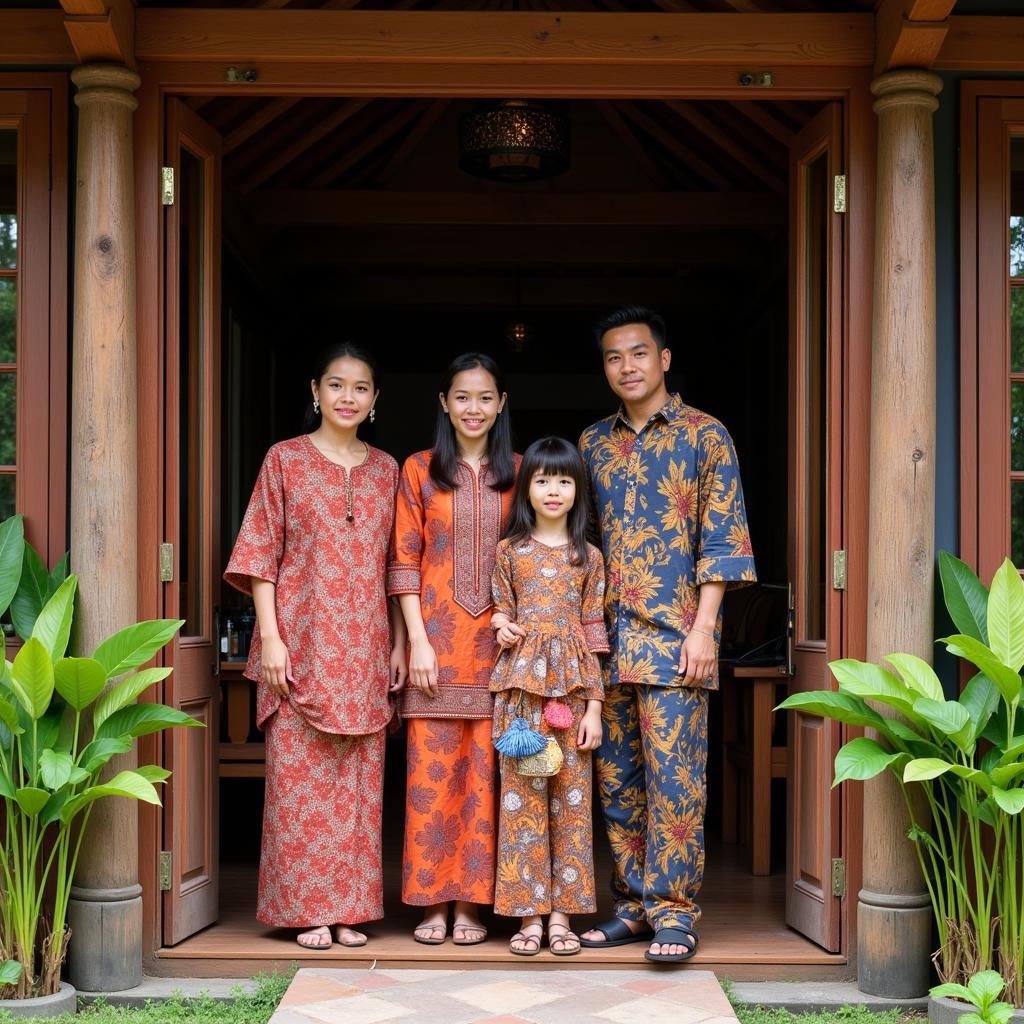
(621, 6)
(359, 143)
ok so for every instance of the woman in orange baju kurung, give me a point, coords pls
(312, 551)
(452, 505)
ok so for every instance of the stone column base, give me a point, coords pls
(892, 932)
(105, 954)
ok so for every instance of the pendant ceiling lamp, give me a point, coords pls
(514, 140)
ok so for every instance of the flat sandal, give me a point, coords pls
(523, 937)
(566, 935)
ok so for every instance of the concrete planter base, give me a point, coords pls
(949, 1011)
(60, 1002)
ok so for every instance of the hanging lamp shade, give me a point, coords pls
(514, 140)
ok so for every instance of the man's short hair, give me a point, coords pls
(626, 315)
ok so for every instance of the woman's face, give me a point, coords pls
(473, 404)
(345, 392)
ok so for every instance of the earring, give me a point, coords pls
(373, 413)
(316, 405)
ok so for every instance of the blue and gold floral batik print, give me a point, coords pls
(669, 504)
(651, 769)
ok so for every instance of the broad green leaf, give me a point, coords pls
(55, 768)
(965, 596)
(841, 707)
(9, 716)
(12, 548)
(862, 759)
(947, 717)
(78, 775)
(153, 772)
(52, 811)
(32, 678)
(127, 783)
(59, 573)
(917, 674)
(1009, 800)
(53, 626)
(924, 768)
(1005, 678)
(143, 719)
(79, 681)
(10, 972)
(6, 786)
(31, 799)
(863, 679)
(1013, 750)
(33, 591)
(127, 690)
(1006, 616)
(980, 698)
(1005, 775)
(131, 646)
(950, 990)
(97, 753)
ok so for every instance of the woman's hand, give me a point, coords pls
(399, 669)
(277, 665)
(509, 634)
(590, 731)
(423, 667)
(698, 658)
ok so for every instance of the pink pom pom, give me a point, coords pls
(557, 714)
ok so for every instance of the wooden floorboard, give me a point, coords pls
(743, 934)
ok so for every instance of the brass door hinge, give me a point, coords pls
(838, 877)
(838, 570)
(839, 194)
(165, 870)
(166, 563)
(167, 186)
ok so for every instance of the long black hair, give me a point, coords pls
(444, 456)
(552, 456)
(326, 356)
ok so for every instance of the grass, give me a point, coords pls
(255, 1007)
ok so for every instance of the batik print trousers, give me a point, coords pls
(545, 830)
(450, 812)
(320, 860)
(651, 769)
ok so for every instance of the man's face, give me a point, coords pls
(632, 363)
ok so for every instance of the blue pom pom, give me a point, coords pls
(519, 740)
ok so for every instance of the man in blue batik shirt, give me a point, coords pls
(669, 505)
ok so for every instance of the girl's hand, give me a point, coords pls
(423, 667)
(509, 635)
(277, 665)
(589, 735)
(399, 669)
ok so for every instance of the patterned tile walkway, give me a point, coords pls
(525, 996)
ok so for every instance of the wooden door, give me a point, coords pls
(191, 517)
(815, 519)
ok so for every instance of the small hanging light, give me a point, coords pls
(514, 140)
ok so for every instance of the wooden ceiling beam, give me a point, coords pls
(235, 34)
(626, 136)
(984, 44)
(35, 37)
(273, 110)
(760, 114)
(910, 33)
(707, 210)
(749, 161)
(101, 30)
(412, 140)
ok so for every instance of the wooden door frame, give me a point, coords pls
(609, 77)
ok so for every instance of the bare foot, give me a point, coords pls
(433, 929)
(348, 937)
(315, 938)
(562, 941)
(668, 949)
(526, 941)
(467, 929)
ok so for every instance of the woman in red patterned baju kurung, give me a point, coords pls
(312, 550)
(452, 504)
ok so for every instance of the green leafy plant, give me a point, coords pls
(62, 719)
(967, 758)
(982, 991)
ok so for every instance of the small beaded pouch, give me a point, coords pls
(544, 763)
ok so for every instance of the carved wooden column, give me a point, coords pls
(106, 905)
(893, 915)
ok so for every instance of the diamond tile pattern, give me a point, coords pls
(524, 996)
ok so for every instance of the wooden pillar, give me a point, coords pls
(106, 906)
(894, 924)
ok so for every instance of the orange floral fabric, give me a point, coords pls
(545, 830)
(450, 812)
(561, 607)
(443, 550)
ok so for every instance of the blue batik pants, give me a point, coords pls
(651, 769)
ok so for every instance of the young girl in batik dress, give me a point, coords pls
(548, 588)
(312, 551)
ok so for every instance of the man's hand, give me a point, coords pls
(698, 658)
